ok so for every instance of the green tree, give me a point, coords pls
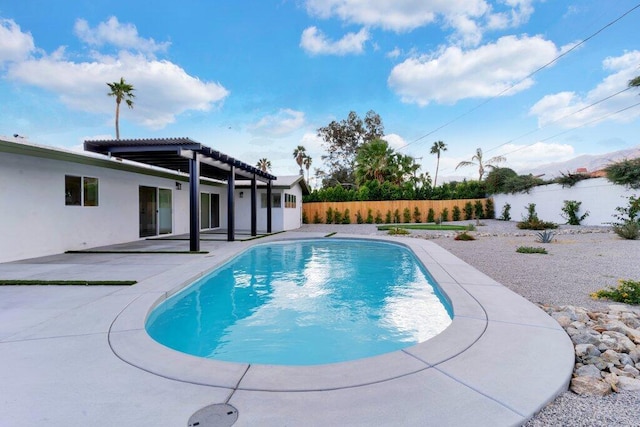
(299, 153)
(121, 91)
(341, 141)
(634, 82)
(264, 165)
(437, 148)
(373, 161)
(478, 160)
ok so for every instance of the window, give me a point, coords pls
(276, 200)
(289, 200)
(80, 191)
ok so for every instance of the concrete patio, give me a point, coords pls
(75, 355)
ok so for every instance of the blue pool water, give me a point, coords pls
(304, 302)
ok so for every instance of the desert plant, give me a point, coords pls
(468, 210)
(629, 230)
(489, 209)
(416, 215)
(532, 222)
(316, 218)
(570, 212)
(359, 218)
(456, 213)
(328, 219)
(471, 227)
(478, 209)
(531, 250)
(387, 218)
(627, 291)
(444, 215)
(346, 217)
(398, 231)
(396, 216)
(431, 215)
(506, 215)
(628, 225)
(369, 217)
(545, 236)
(406, 215)
(464, 236)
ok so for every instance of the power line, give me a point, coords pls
(524, 78)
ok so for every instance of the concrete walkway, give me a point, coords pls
(80, 355)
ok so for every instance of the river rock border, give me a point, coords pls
(607, 347)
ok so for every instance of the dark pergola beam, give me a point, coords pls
(231, 208)
(269, 206)
(254, 207)
(194, 204)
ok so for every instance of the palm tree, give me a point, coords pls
(121, 90)
(477, 160)
(299, 154)
(264, 165)
(307, 164)
(374, 161)
(437, 148)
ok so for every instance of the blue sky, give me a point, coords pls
(255, 79)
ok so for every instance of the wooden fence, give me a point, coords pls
(317, 211)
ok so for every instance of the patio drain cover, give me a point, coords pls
(218, 415)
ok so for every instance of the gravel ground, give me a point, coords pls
(580, 261)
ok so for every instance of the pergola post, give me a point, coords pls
(194, 203)
(231, 211)
(254, 206)
(269, 206)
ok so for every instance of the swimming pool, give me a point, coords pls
(305, 302)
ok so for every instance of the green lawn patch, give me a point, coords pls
(436, 227)
(67, 282)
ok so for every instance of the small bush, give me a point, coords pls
(396, 216)
(629, 230)
(570, 212)
(346, 218)
(468, 211)
(444, 215)
(456, 213)
(416, 215)
(471, 227)
(506, 215)
(625, 172)
(628, 216)
(305, 219)
(627, 291)
(378, 219)
(406, 215)
(359, 218)
(337, 217)
(328, 219)
(478, 209)
(531, 250)
(387, 218)
(431, 215)
(532, 222)
(369, 217)
(316, 218)
(545, 236)
(489, 209)
(398, 231)
(464, 236)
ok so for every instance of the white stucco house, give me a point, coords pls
(54, 200)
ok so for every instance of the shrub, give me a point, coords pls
(359, 218)
(444, 215)
(629, 230)
(532, 222)
(625, 172)
(468, 211)
(506, 215)
(329, 216)
(545, 236)
(406, 215)
(387, 218)
(531, 250)
(316, 218)
(456, 213)
(628, 216)
(431, 215)
(471, 227)
(570, 212)
(396, 216)
(346, 218)
(416, 215)
(489, 209)
(378, 219)
(464, 236)
(369, 217)
(337, 217)
(627, 291)
(478, 209)
(571, 179)
(398, 231)
(305, 219)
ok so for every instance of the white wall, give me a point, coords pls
(34, 220)
(243, 211)
(598, 196)
(293, 216)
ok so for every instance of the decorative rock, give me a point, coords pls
(628, 384)
(625, 359)
(585, 338)
(588, 371)
(585, 350)
(590, 386)
(635, 373)
(611, 356)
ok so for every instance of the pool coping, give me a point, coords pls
(503, 352)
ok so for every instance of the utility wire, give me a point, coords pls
(523, 79)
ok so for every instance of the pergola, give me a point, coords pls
(185, 154)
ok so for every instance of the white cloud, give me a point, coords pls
(122, 36)
(570, 110)
(14, 44)
(395, 141)
(454, 74)
(315, 42)
(312, 143)
(278, 125)
(163, 89)
(523, 157)
(468, 18)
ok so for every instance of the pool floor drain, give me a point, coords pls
(217, 415)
